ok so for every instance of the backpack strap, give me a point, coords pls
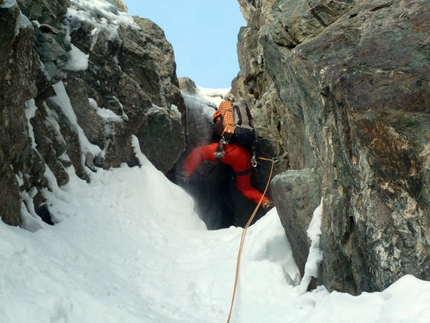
(243, 173)
(254, 162)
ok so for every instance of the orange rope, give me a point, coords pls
(242, 240)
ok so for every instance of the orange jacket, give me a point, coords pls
(237, 156)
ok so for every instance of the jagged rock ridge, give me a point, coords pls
(79, 78)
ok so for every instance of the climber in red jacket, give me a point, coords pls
(237, 156)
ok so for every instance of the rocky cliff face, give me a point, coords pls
(344, 89)
(77, 81)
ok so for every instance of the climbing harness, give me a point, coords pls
(245, 229)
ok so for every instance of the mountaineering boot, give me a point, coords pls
(183, 177)
(268, 205)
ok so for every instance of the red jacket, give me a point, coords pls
(237, 156)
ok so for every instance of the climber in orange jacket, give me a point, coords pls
(237, 156)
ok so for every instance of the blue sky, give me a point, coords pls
(203, 35)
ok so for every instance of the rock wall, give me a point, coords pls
(77, 81)
(16, 89)
(344, 89)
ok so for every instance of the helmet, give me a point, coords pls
(216, 115)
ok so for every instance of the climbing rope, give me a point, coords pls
(245, 229)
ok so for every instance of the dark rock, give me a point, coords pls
(353, 78)
(16, 40)
(296, 193)
(43, 212)
(49, 12)
(76, 115)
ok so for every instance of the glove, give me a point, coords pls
(268, 205)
